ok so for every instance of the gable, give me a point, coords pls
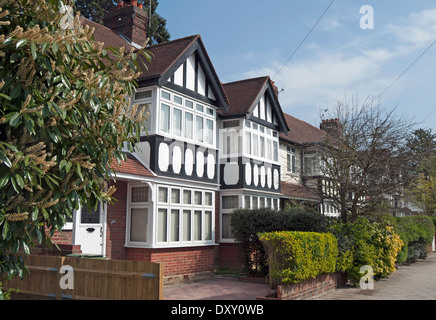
(263, 110)
(255, 99)
(184, 65)
(192, 77)
(267, 111)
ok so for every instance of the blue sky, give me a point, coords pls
(251, 38)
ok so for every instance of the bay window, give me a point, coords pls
(180, 119)
(260, 141)
(229, 203)
(185, 218)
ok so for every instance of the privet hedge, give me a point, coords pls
(379, 244)
(298, 256)
(246, 224)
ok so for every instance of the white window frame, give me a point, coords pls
(147, 100)
(291, 160)
(182, 207)
(139, 205)
(199, 110)
(253, 132)
(274, 202)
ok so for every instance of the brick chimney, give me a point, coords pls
(332, 126)
(129, 20)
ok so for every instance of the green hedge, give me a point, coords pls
(416, 232)
(246, 224)
(298, 256)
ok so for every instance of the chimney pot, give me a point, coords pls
(140, 5)
(134, 3)
(120, 4)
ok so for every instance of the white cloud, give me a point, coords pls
(324, 79)
(362, 66)
(416, 30)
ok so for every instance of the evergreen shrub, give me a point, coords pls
(366, 243)
(416, 232)
(298, 256)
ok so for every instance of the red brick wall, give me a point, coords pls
(309, 288)
(177, 261)
(65, 238)
(229, 256)
(116, 224)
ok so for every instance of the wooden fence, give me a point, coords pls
(90, 279)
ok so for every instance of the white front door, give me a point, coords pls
(89, 229)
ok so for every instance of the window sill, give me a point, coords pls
(171, 245)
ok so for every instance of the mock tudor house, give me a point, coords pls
(249, 154)
(209, 148)
(167, 192)
(302, 178)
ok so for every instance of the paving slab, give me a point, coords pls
(217, 289)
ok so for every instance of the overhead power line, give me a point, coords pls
(407, 69)
(307, 35)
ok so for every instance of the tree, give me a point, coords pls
(156, 29)
(363, 156)
(422, 147)
(94, 10)
(63, 122)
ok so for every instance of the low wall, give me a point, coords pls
(309, 288)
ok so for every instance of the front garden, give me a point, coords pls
(294, 246)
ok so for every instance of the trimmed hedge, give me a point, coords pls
(298, 256)
(246, 224)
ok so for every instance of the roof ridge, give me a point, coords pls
(246, 80)
(96, 25)
(305, 122)
(196, 36)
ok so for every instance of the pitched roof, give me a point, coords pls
(166, 54)
(106, 35)
(301, 132)
(297, 191)
(131, 166)
(243, 94)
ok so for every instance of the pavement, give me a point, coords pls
(416, 281)
(218, 288)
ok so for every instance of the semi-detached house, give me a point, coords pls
(209, 148)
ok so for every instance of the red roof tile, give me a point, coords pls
(242, 94)
(301, 132)
(132, 166)
(105, 34)
(298, 191)
(165, 54)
